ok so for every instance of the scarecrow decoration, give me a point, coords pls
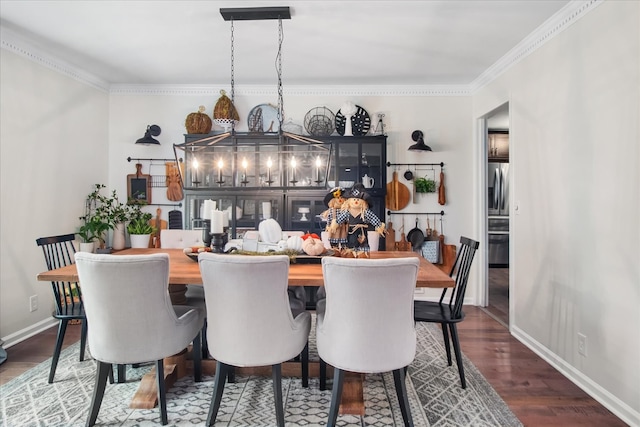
(334, 201)
(358, 217)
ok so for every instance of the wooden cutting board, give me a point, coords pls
(390, 240)
(398, 194)
(159, 224)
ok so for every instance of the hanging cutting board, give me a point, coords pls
(398, 194)
(158, 224)
(390, 240)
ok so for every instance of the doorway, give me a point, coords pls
(497, 213)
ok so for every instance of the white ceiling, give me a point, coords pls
(352, 42)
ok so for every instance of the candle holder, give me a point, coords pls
(218, 242)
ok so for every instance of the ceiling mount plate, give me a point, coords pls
(255, 13)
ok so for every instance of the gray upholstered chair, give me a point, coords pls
(365, 324)
(194, 295)
(250, 321)
(131, 319)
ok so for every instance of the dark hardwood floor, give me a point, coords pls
(535, 392)
(499, 294)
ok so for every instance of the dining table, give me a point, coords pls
(184, 269)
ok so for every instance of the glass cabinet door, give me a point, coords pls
(371, 165)
(250, 210)
(305, 215)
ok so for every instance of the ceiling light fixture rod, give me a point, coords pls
(255, 13)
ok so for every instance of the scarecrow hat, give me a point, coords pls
(335, 193)
(358, 192)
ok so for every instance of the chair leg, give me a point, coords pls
(83, 338)
(276, 373)
(336, 395)
(196, 356)
(111, 381)
(323, 375)
(162, 391)
(62, 328)
(447, 347)
(304, 360)
(102, 372)
(218, 388)
(456, 349)
(122, 373)
(205, 344)
(403, 400)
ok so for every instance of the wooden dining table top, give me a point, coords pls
(183, 269)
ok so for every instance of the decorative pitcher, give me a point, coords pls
(367, 181)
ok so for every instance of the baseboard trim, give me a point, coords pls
(608, 400)
(21, 335)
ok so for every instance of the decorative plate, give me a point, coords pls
(319, 121)
(360, 122)
(263, 118)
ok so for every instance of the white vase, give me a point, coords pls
(87, 247)
(348, 131)
(118, 237)
(140, 240)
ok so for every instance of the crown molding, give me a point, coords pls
(564, 18)
(553, 26)
(15, 43)
(289, 90)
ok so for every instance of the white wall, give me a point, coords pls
(575, 159)
(53, 143)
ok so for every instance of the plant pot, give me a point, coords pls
(118, 237)
(140, 240)
(87, 247)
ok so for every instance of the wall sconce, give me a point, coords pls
(418, 136)
(147, 139)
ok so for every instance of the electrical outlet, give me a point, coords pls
(33, 303)
(418, 291)
(582, 344)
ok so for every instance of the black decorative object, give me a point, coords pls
(147, 139)
(255, 13)
(319, 121)
(418, 136)
(360, 122)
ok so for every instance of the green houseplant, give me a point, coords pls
(425, 185)
(104, 213)
(139, 228)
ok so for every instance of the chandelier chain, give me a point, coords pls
(232, 75)
(279, 69)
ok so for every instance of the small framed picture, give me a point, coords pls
(139, 188)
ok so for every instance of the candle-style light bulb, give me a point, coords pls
(293, 170)
(195, 171)
(220, 165)
(318, 165)
(244, 170)
(269, 164)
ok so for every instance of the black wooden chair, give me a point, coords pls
(59, 252)
(448, 315)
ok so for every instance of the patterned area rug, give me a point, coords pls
(435, 396)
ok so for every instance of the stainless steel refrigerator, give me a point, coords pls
(498, 203)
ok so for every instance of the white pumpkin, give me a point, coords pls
(295, 243)
(270, 231)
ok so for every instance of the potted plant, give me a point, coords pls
(139, 228)
(104, 213)
(425, 185)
